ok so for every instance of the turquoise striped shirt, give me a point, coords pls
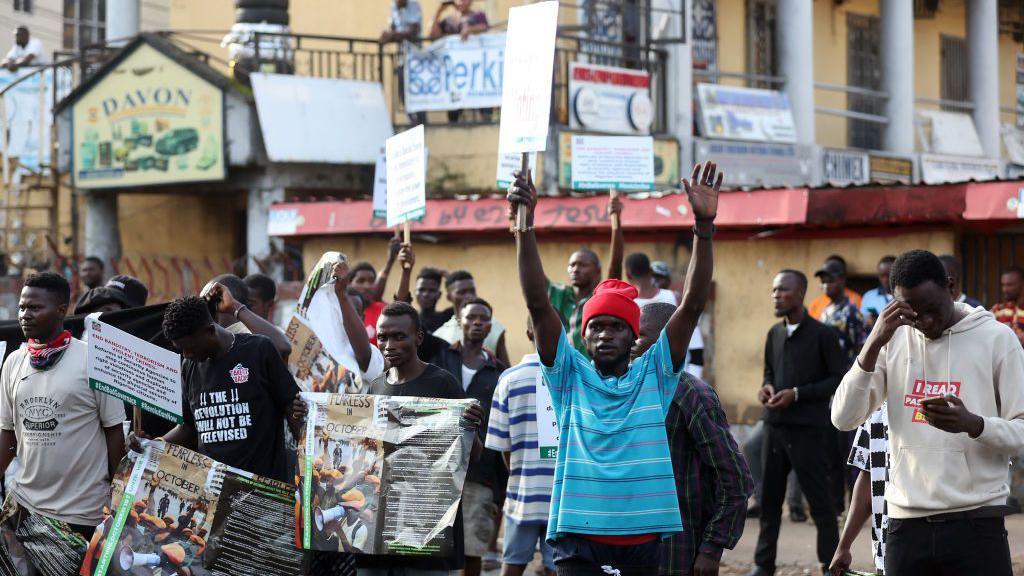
(613, 475)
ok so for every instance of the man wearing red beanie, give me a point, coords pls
(614, 493)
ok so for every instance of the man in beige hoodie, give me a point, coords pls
(954, 381)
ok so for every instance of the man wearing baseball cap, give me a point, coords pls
(611, 413)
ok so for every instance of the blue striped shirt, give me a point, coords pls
(614, 473)
(512, 428)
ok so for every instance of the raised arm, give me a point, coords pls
(226, 304)
(702, 191)
(394, 246)
(618, 241)
(407, 260)
(352, 321)
(547, 328)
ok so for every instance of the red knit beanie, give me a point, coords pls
(613, 298)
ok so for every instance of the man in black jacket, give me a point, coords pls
(477, 370)
(803, 365)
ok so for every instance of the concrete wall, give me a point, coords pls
(744, 270)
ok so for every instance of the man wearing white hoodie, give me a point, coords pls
(953, 378)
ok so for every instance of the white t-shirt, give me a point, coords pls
(467, 376)
(59, 423)
(663, 296)
(790, 328)
(34, 47)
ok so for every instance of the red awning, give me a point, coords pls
(736, 209)
(994, 201)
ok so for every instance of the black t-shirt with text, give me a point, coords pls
(434, 382)
(237, 404)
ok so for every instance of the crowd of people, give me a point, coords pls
(647, 477)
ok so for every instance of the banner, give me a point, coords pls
(454, 74)
(133, 370)
(175, 511)
(752, 114)
(322, 359)
(28, 116)
(34, 544)
(381, 474)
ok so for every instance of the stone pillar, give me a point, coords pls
(102, 237)
(898, 74)
(983, 70)
(122, 19)
(795, 32)
(258, 242)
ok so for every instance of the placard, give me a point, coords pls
(133, 370)
(380, 186)
(526, 93)
(547, 424)
(407, 176)
(509, 163)
(612, 162)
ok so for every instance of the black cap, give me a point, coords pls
(135, 292)
(95, 298)
(831, 268)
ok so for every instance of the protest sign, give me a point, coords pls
(175, 511)
(381, 474)
(509, 163)
(407, 177)
(612, 162)
(454, 74)
(526, 93)
(49, 546)
(133, 370)
(547, 424)
(380, 186)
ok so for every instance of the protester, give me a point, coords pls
(428, 292)
(819, 304)
(802, 367)
(364, 278)
(477, 372)
(870, 455)
(640, 275)
(25, 51)
(369, 359)
(618, 436)
(841, 314)
(134, 291)
(1010, 310)
(712, 479)
(460, 287)
(226, 294)
(262, 295)
(512, 430)
(101, 299)
(464, 23)
(68, 437)
(90, 273)
(876, 299)
(943, 369)
(953, 270)
(236, 392)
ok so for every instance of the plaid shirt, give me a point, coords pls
(712, 478)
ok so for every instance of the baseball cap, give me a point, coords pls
(831, 268)
(659, 268)
(134, 291)
(96, 298)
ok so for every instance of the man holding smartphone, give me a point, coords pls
(952, 377)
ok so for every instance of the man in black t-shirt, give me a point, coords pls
(236, 391)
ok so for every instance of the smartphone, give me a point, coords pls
(935, 401)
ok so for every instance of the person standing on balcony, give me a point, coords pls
(26, 51)
(465, 22)
(405, 25)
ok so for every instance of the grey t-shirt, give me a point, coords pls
(59, 421)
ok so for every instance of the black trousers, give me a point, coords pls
(804, 449)
(577, 556)
(950, 548)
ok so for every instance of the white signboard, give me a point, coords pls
(299, 114)
(844, 167)
(529, 61)
(950, 169)
(952, 133)
(133, 370)
(509, 163)
(760, 164)
(612, 162)
(407, 176)
(752, 114)
(455, 74)
(547, 424)
(380, 186)
(1013, 139)
(608, 99)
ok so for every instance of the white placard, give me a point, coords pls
(133, 370)
(380, 186)
(547, 424)
(612, 162)
(407, 176)
(509, 163)
(526, 84)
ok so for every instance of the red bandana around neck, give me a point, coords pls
(42, 355)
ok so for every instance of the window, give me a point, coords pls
(23, 6)
(954, 72)
(761, 56)
(863, 70)
(84, 23)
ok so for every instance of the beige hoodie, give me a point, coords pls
(931, 471)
